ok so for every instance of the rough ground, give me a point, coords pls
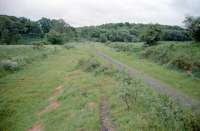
(162, 88)
(106, 123)
(53, 104)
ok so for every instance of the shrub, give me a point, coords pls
(68, 46)
(38, 45)
(151, 35)
(89, 64)
(181, 56)
(55, 37)
(121, 47)
(193, 25)
(128, 90)
(9, 65)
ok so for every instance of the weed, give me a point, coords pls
(89, 64)
(68, 46)
(9, 65)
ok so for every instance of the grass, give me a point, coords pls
(26, 92)
(174, 78)
(23, 55)
(146, 110)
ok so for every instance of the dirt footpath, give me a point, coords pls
(159, 86)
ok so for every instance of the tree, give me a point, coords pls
(193, 25)
(103, 38)
(45, 24)
(55, 37)
(59, 25)
(151, 35)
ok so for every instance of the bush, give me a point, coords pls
(129, 90)
(193, 25)
(181, 56)
(9, 65)
(68, 46)
(55, 37)
(151, 35)
(38, 45)
(121, 47)
(89, 64)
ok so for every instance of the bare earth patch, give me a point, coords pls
(36, 127)
(53, 105)
(58, 90)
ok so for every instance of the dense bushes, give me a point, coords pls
(151, 35)
(173, 35)
(193, 25)
(55, 37)
(181, 56)
(129, 32)
(15, 30)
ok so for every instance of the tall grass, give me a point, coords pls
(13, 57)
(182, 56)
(135, 106)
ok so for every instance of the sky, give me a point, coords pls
(96, 12)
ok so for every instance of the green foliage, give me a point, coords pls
(9, 65)
(128, 90)
(39, 44)
(46, 24)
(193, 25)
(55, 37)
(182, 56)
(131, 32)
(126, 47)
(174, 35)
(68, 46)
(103, 38)
(15, 30)
(159, 111)
(151, 35)
(16, 57)
(89, 64)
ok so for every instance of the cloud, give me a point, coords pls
(94, 12)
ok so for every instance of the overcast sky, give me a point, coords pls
(95, 12)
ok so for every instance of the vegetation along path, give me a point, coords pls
(106, 123)
(162, 88)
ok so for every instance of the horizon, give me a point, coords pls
(92, 13)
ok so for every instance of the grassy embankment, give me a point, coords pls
(174, 77)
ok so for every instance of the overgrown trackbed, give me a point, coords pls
(162, 88)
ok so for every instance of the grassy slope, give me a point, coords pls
(26, 92)
(176, 79)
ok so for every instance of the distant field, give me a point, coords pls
(73, 89)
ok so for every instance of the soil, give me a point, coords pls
(36, 127)
(106, 123)
(53, 104)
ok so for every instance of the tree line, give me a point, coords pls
(57, 31)
(13, 29)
